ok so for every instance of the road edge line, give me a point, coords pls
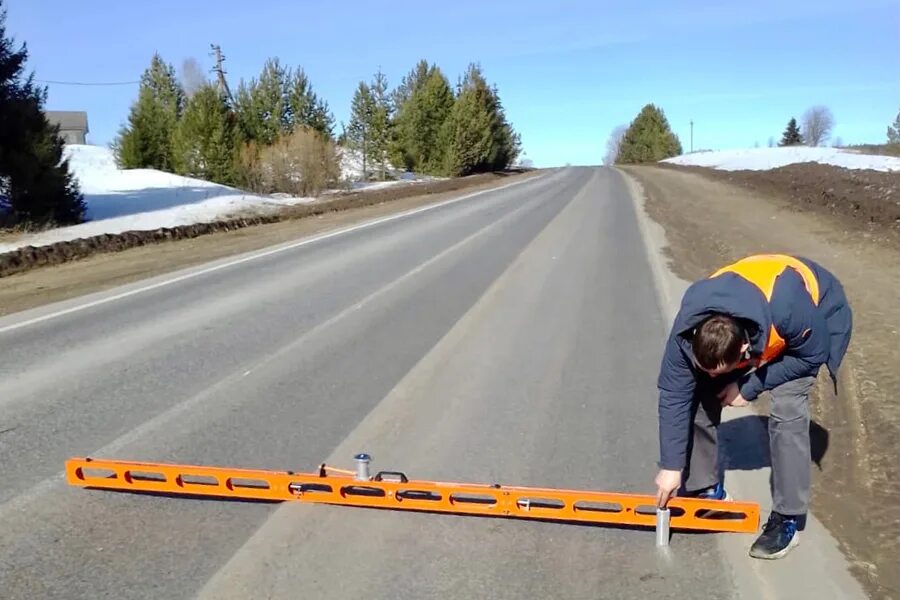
(108, 296)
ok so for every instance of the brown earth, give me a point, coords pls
(712, 217)
(27, 258)
(116, 264)
(864, 200)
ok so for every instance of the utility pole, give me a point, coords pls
(219, 70)
(692, 135)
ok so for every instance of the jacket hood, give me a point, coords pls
(728, 294)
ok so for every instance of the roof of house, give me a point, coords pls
(69, 119)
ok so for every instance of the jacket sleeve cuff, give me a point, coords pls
(671, 465)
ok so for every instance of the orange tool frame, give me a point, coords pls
(392, 490)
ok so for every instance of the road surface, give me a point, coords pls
(512, 336)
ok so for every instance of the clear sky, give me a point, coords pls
(568, 72)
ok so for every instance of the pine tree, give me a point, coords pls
(401, 129)
(263, 105)
(467, 134)
(147, 141)
(35, 182)
(205, 141)
(791, 136)
(359, 132)
(893, 131)
(648, 138)
(418, 143)
(410, 83)
(506, 141)
(380, 126)
(306, 108)
(478, 106)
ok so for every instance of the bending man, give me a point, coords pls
(764, 323)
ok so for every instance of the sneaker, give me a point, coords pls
(779, 536)
(715, 492)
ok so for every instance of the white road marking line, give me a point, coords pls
(253, 257)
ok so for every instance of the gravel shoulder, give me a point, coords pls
(713, 217)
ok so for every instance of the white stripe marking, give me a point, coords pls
(253, 257)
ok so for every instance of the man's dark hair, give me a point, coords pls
(717, 341)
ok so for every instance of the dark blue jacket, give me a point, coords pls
(814, 335)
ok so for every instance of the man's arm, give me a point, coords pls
(676, 382)
(805, 333)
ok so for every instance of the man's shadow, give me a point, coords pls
(744, 443)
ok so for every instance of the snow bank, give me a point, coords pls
(112, 192)
(760, 159)
(144, 199)
(352, 171)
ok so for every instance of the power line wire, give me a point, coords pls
(98, 83)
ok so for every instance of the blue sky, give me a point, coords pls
(568, 72)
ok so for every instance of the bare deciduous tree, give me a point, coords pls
(817, 125)
(192, 76)
(301, 163)
(612, 144)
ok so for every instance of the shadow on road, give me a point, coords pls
(744, 443)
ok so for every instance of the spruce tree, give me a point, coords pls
(205, 141)
(503, 144)
(359, 132)
(467, 134)
(421, 122)
(791, 136)
(147, 141)
(410, 83)
(893, 131)
(648, 138)
(380, 125)
(401, 129)
(263, 105)
(306, 108)
(35, 183)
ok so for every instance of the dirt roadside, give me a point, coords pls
(104, 270)
(709, 222)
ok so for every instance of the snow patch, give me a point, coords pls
(120, 200)
(761, 159)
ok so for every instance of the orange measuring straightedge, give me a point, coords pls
(393, 490)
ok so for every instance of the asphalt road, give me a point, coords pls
(510, 337)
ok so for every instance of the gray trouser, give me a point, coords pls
(788, 444)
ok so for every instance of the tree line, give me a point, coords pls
(649, 138)
(277, 134)
(426, 126)
(274, 134)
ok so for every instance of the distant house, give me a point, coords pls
(73, 125)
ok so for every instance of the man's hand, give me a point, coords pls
(731, 396)
(666, 484)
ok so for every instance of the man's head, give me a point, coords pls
(718, 344)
